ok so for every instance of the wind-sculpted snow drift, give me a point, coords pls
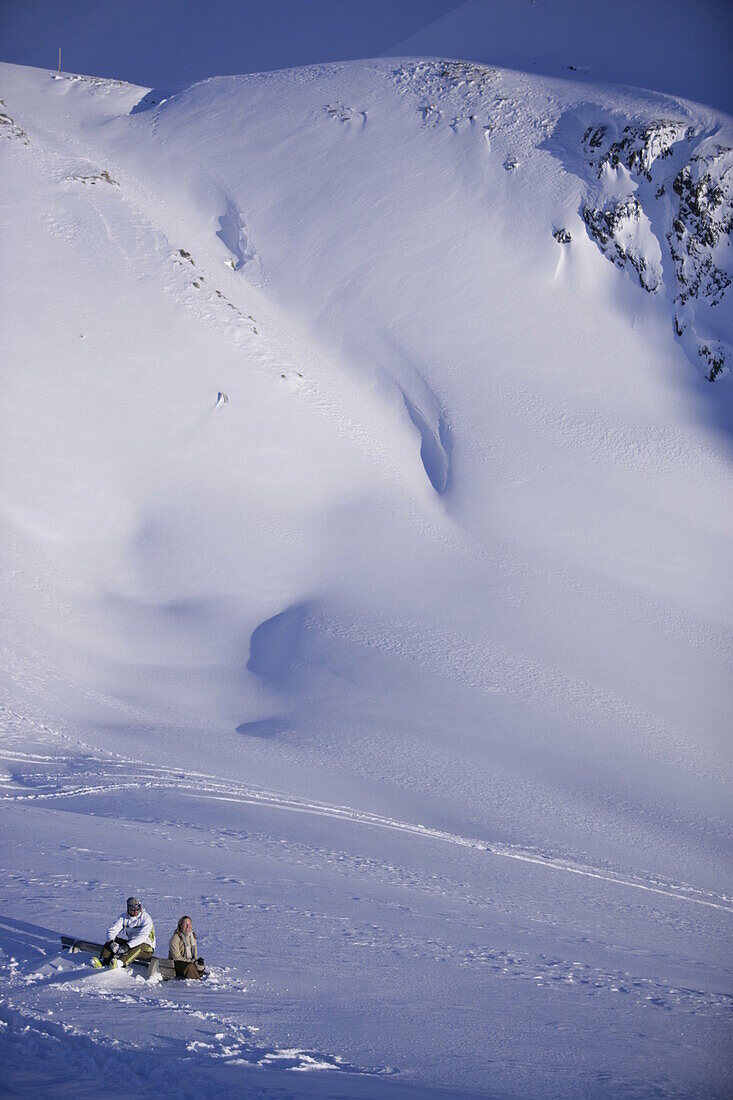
(366, 528)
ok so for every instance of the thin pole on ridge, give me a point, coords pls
(59, 72)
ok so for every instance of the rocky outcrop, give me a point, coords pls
(94, 178)
(620, 230)
(10, 128)
(638, 148)
(655, 188)
(667, 175)
(447, 92)
(703, 219)
(715, 357)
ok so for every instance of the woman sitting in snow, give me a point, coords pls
(184, 951)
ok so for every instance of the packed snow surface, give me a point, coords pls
(366, 528)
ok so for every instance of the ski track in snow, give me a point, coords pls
(128, 775)
(66, 779)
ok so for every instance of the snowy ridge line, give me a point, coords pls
(211, 787)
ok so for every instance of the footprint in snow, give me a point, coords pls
(294, 379)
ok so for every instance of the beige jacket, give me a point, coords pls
(178, 948)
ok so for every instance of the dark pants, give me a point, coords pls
(189, 969)
(142, 952)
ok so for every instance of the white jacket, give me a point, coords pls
(135, 930)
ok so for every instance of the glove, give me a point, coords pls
(117, 948)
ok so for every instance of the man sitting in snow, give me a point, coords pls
(184, 951)
(132, 936)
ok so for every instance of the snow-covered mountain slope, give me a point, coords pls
(365, 451)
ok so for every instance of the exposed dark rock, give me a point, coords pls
(11, 129)
(458, 73)
(460, 87)
(345, 114)
(638, 148)
(562, 236)
(704, 218)
(613, 229)
(715, 358)
(100, 177)
(693, 203)
(594, 137)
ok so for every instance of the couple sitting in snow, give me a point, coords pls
(132, 936)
